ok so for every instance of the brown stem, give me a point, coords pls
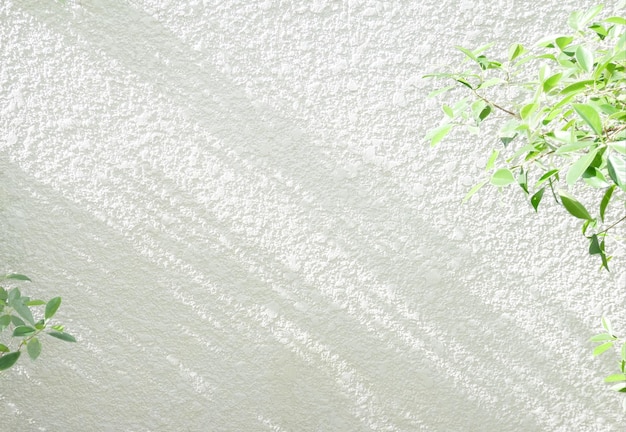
(616, 223)
(496, 105)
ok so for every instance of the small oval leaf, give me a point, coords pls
(536, 198)
(33, 347)
(574, 207)
(502, 177)
(52, 306)
(578, 168)
(21, 331)
(8, 360)
(584, 57)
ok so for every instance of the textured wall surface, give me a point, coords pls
(235, 202)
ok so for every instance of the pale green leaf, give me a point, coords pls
(616, 165)
(502, 177)
(584, 57)
(473, 190)
(15, 276)
(615, 378)
(34, 348)
(589, 114)
(578, 168)
(602, 348)
(602, 337)
(439, 133)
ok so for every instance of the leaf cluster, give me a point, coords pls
(567, 131)
(608, 340)
(17, 316)
(563, 131)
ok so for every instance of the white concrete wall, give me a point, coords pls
(234, 200)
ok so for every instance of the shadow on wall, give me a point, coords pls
(284, 228)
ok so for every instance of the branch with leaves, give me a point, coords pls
(18, 318)
(608, 340)
(564, 128)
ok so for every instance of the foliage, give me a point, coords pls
(560, 114)
(607, 341)
(16, 316)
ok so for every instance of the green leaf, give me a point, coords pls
(502, 177)
(602, 348)
(473, 190)
(580, 166)
(615, 378)
(578, 145)
(24, 311)
(605, 201)
(21, 331)
(439, 133)
(621, 387)
(8, 360)
(619, 147)
(536, 198)
(574, 207)
(438, 91)
(4, 348)
(594, 246)
(589, 114)
(577, 87)
(15, 276)
(584, 57)
(14, 296)
(602, 337)
(563, 42)
(594, 178)
(552, 82)
(17, 321)
(606, 324)
(616, 165)
(52, 307)
(492, 160)
(34, 348)
(467, 52)
(624, 351)
(522, 180)
(616, 20)
(515, 51)
(484, 113)
(62, 335)
(528, 109)
(5, 320)
(35, 303)
(546, 176)
(465, 82)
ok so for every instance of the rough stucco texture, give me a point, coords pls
(235, 202)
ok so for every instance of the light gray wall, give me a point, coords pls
(235, 202)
